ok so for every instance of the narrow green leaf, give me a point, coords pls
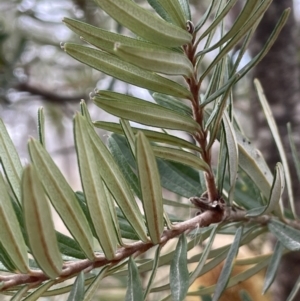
(20, 293)
(69, 246)
(216, 20)
(121, 160)
(124, 71)
(294, 291)
(175, 177)
(41, 126)
(39, 224)
(228, 265)
(143, 112)
(238, 36)
(179, 274)
(6, 264)
(287, 235)
(151, 135)
(174, 12)
(275, 193)
(150, 187)
(85, 112)
(186, 9)
(241, 21)
(160, 10)
(77, 292)
(62, 197)
(113, 212)
(145, 24)
(117, 185)
(93, 287)
(10, 234)
(153, 272)
(163, 61)
(179, 178)
(173, 103)
(129, 134)
(39, 291)
(105, 40)
(233, 156)
(253, 163)
(10, 161)
(271, 40)
(134, 287)
(180, 156)
(273, 266)
(94, 189)
(195, 274)
(277, 138)
(294, 151)
(222, 164)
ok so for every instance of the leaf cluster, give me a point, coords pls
(121, 211)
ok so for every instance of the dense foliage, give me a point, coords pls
(123, 210)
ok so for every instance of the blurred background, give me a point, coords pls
(35, 72)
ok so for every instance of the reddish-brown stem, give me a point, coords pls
(201, 135)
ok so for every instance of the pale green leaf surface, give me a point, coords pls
(160, 10)
(228, 264)
(62, 197)
(20, 293)
(94, 189)
(273, 266)
(105, 40)
(39, 224)
(217, 19)
(253, 163)
(93, 287)
(151, 135)
(129, 134)
(241, 20)
(10, 161)
(10, 234)
(277, 138)
(134, 287)
(175, 177)
(77, 292)
(287, 235)
(269, 43)
(180, 156)
(41, 126)
(195, 274)
(275, 193)
(144, 23)
(173, 103)
(174, 11)
(117, 185)
(233, 155)
(294, 150)
(143, 112)
(153, 271)
(124, 71)
(179, 274)
(124, 165)
(161, 61)
(39, 291)
(242, 32)
(150, 187)
(186, 9)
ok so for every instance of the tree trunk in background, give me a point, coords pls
(278, 73)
